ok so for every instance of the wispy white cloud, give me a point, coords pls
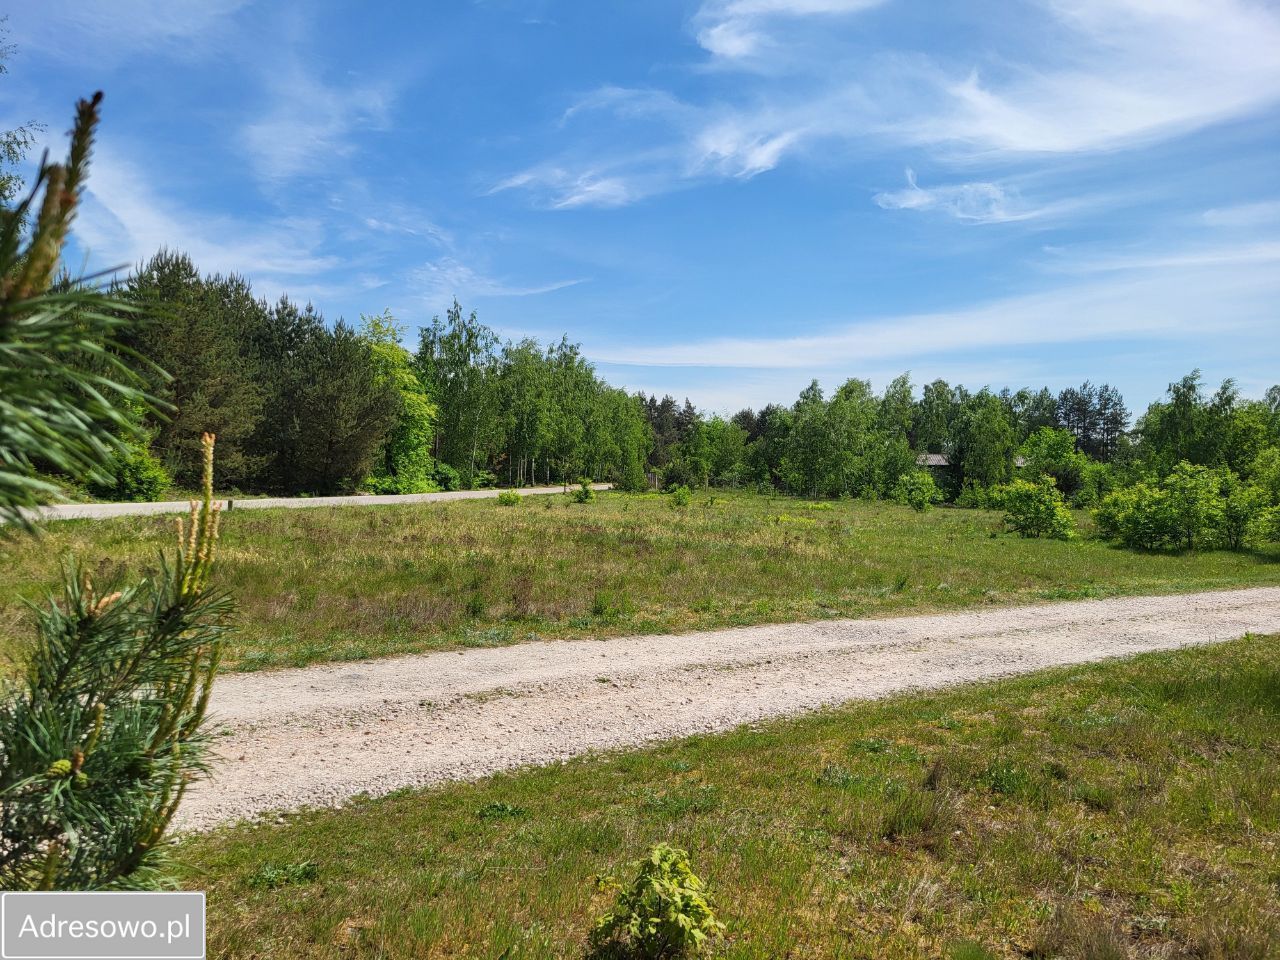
(1130, 71)
(977, 202)
(447, 278)
(1075, 77)
(127, 220)
(123, 29)
(1163, 298)
(308, 123)
(1242, 254)
(736, 29)
(564, 189)
(1263, 213)
(688, 145)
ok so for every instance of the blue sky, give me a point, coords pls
(718, 198)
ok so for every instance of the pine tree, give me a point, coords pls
(202, 337)
(344, 411)
(102, 733)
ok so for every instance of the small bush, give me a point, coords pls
(681, 496)
(508, 498)
(584, 493)
(445, 477)
(137, 475)
(1052, 452)
(975, 497)
(499, 811)
(609, 605)
(1195, 505)
(271, 876)
(1036, 509)
(1096, 481)
(686, 472)
(1244, 513)
(1138, 516)
(917, 490)
(665, 912)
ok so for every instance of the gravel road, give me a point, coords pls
(319, 735)
(103, 511)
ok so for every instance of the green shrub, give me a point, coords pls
(445, 477)
(610, 605)
(272, 876)
(917, 490)
(1051, 452)
(975, 497)
(632, 477)
(1244, 513)
(1096, 481)
(686, 472)
(497, 810)
(1138, 516)
(1265, 473)
(918, 813)
(1036, 509)
(665, 912)
(584, 493)
(1195, 505)
(508, 498)
(681, 496)
(136, 475)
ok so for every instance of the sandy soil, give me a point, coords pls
(319, 735)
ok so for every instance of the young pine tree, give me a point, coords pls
(101, 733)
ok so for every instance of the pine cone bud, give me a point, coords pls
(58, 770)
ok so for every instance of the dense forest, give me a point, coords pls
(303, 406)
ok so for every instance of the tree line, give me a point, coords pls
(858, 443)
(304, 406)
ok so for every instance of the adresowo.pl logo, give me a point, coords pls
(102, 926)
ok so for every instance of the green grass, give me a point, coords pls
(357, 582)
(1127, 809)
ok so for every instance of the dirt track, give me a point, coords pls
(318, 735)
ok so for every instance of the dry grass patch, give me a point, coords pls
(356, 582)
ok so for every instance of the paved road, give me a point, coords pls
(319, 735)
(80, 511)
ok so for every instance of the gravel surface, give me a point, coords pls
(319, 735)
(102, 511)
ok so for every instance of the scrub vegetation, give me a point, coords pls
(348, 583)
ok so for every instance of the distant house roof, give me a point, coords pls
(942, 460)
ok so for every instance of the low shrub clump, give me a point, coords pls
(681, 496)
(584, 493)
(1036, 509)
(136, 476)
(1195, 507)
(973, 496)
(917, 490)
(508, 498)
(664, 912)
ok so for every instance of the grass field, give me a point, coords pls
(1128, 809)
(350, 583)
